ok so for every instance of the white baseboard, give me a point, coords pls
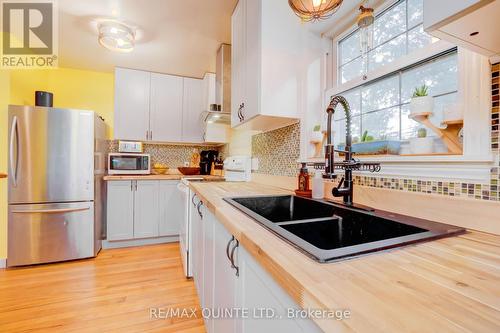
(138, 242)
(3, 263)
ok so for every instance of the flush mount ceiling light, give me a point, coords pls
(116, 36)
(313, 10)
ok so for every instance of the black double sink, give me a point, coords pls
(328, 232)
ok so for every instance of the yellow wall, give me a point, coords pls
(4, 101)
(72, 88)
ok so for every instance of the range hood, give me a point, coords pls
(222, 88)
(223, 78)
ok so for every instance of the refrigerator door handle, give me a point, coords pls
(13, 135)
(49, 211)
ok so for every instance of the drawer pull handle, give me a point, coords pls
(50, 211)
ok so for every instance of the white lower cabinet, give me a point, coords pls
(143, 209)
(146, 210)
(229, 281)
(120, 210)
(170, 206)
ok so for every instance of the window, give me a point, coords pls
(397, 31)
(381, 107)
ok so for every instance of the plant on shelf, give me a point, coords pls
(422, 144)
(365, 137)
(317, 135)
(422, 133)
(421, 102)
(369, 145)
(421, 91)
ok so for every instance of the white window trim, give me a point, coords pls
(474, 94)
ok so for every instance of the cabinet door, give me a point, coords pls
(252, 56)
(171, 212)
(131, 118)
(166, 107)
(258, 290)
(237, 60)
(192, 125)
(146, 211)
(197, 246)
(225, 279)
(208, 265)
(120, 210)
(209, 91)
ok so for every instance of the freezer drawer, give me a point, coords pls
(44, 233)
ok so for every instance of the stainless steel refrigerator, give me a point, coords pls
(56, 161)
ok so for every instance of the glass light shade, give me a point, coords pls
(116, 36)
(313, 10)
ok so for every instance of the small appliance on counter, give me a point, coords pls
(238, 169)
(134, 147)
(207, 158)
(129, 164)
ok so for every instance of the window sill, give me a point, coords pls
(450, 168)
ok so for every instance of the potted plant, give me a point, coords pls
(421, 102)
(317, 135)
(368, 145)
(422, 144)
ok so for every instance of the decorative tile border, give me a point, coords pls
(278, 151)
(171, 155)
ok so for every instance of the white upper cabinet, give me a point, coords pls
(472, 24)
(192, 125)
(275, 61)
(166, 108)
(209, 96)
(131, 118)
(160, 107)
(237, 62)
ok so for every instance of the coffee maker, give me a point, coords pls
(207, 157)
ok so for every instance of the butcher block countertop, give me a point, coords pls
(446, 285)
(160, 177)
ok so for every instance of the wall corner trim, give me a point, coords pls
(3, 263)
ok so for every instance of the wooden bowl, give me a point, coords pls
(189, 171)
(159, 171)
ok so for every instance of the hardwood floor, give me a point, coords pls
(111, 293)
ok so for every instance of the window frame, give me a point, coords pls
(474, 94)
(398, 74)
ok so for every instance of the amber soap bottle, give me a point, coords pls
(303, 189)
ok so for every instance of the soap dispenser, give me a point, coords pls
(303, 189)
(318, 188)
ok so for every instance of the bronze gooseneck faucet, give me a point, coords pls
(345, 186)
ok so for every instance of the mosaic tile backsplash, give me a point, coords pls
(171, 155)
(277, 160)
(278, 151)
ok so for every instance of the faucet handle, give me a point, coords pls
(340, 182)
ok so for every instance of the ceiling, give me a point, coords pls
(174, 36)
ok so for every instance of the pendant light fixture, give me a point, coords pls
(313, 10)
(365, 23)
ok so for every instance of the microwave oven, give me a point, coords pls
(129, 164)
